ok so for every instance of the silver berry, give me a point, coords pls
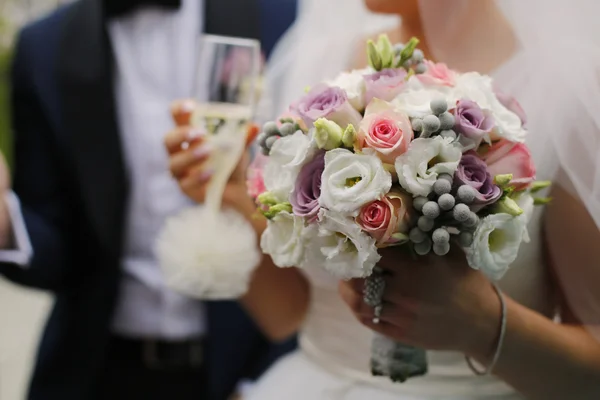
(421, 68)
(466, 194)
(461, 212)
(271, 129)
(261, 139)
(439, 106)
(431, 210)
(447, 121)
(417, 124)
(447, 177)
(416, 235)
(423, 248)
(419, 202)
(442, 186)
(425, 224)
(446, 202)
(449, 133)
(440, 235)
(287, 129)
(418, 55)
(270, 141)
(431, 123)
(472, 221)
(441, 249)
(465, 239)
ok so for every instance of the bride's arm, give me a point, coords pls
(278, 297)
(543, 359)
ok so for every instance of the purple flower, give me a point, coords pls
(473, 171)
(327, 102)
(472, 121)
(306, 193)
(385, 84)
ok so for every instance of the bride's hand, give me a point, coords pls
(188, 154)
(436, 303)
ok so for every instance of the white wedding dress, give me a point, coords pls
(333, 359)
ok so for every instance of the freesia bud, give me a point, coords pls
(267, 199)
(328, 134)
(507, 205)
(373, 55)
(278, 208)
(503, 180)
(349, 136)
(386, 51)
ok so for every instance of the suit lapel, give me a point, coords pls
(85, 74)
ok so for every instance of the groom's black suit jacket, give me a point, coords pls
(70, 177)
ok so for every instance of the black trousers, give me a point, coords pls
(128, 376)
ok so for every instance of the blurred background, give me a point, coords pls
(22, 311)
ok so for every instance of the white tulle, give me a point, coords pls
(213, 264)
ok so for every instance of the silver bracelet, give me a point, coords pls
(501, 336)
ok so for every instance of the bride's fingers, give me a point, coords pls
(181, 163)
(182, 138)
(182, 110)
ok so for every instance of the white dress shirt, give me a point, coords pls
(155, 55)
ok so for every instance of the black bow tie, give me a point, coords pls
(117, 8)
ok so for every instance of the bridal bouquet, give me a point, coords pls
(404, 153)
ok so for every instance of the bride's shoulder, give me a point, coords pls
(360, 59)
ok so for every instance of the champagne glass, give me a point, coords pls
(227, 79)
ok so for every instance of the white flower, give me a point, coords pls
(353, 83)
(341, 247)
(283, 240)
(288, 155)
(350, 181)
(496, 243)
(479, 88)
(415, 100)
(425, 159)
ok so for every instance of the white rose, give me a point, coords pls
(350, 181)
(353, 83)
(496, 243)
(283, 240)
(479, 88)
(288, 155)
(341, 247)
(416, 173)
(415, 100)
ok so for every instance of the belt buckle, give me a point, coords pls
(152, 360)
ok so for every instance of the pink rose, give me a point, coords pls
(438, 74)
(505, 157)
(384, 218)
(384, 130)
(255, 181)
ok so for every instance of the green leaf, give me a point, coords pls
(541, 201)
(539, 185)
